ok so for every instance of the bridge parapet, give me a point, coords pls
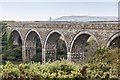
(70, 25)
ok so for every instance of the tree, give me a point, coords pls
(61, 49)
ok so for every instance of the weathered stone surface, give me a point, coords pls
(102, 32)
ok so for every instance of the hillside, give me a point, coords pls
(85, 18)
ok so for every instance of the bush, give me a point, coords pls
(12, 54)
(58, 70)
(37, 57)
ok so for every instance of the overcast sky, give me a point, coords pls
(39, 10)
(59, 0)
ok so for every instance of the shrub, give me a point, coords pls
(58, 70)
(37, 57)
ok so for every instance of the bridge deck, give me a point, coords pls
(64, 24)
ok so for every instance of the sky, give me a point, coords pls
(42, 10)
(59, 0)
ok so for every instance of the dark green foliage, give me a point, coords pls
(101, 51)
(61, 50)
(9, 51)
(105, 55)
(3, 35)
(12, 54)
(37, 57)
(110, 57)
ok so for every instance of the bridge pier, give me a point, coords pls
(23, 54)
(43, 56)
(69, 56)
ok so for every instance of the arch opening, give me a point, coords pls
(15, 38)
(33, 47)
(115, 43)
(55, 48)
(83, 48)
(15, 46)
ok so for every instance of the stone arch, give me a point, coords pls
(82, 45)
(50, 45)
(15, 44)
(32, 30)
(114, 41)
(15, 34)
(33, 44)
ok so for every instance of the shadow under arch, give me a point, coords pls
(15, 34)
(53, 41)
(15, 45)
(83, 46)
(114, 41)
(33, 46)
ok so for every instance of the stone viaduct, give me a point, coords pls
(75, 35)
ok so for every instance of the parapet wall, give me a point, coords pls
(70, 25)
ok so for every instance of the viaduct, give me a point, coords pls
(75, 35)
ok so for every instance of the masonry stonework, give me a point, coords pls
(75, 34)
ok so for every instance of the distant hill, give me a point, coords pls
(85, 18)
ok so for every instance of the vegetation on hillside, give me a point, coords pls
(59, 70)
(104, 65)
(9, 51)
